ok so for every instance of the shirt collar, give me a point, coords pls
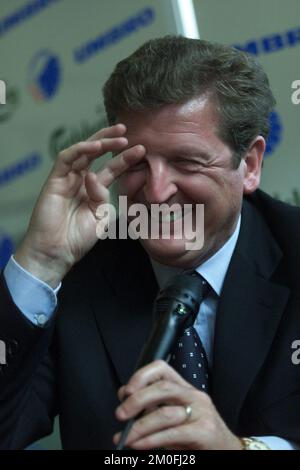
(213, 270)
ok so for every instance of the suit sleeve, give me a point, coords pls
(28, 396)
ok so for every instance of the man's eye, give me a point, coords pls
(189, 164)
(138, 167)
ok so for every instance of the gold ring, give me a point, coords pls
(188, 412)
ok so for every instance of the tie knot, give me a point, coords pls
(205, 285)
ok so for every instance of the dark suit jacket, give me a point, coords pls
(76, 365)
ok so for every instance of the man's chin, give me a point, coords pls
(165, 249)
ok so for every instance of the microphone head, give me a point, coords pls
(185, 289)
(175, 308)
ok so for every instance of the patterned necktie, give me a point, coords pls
(188, 357)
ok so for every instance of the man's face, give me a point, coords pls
(185, 163)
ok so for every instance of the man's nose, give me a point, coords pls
(160, 183)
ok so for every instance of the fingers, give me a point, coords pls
(157, 387)
(167, 421)
(97, 185)
(120, 164)
(161, 392)
(112, 140)
(181, 437)
(149, 374)
(160, 419)
(83, 161)
(118, 130)
(97, 193)
(79, 156)
(170, 427)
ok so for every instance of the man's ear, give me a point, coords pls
(253, 163)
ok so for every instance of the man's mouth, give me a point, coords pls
(165, 216)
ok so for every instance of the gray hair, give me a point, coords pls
(175, 69)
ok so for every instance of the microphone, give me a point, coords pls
(175, 309)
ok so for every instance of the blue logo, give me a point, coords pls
(272, 43)
(275, 134)
(114, 35)
(24, 13)
(19, 168)
(44, 75)
(6, 249)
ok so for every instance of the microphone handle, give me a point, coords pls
(125, 432)
(159, 346)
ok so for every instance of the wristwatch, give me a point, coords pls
(250, 443)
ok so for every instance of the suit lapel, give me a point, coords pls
(124, 312)
(248, 315)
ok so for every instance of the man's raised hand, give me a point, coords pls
(62, 228)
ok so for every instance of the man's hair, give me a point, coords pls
(175, 69)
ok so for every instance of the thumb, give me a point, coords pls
(97, 193)
(104, 212)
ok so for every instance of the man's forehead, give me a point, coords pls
(196, 105)
(191, 116)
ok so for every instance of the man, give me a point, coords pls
(188, 121)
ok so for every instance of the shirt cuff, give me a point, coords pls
(33, 297)
(277, 443)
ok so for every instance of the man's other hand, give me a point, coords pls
(174, 414)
